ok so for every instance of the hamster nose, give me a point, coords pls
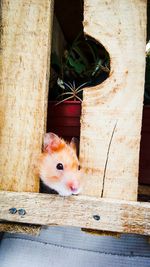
(73, 186)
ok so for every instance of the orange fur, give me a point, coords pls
(57, 147)
(66, 181)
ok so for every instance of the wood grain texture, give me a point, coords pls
(112, 111)
(115, 215)
(25, 55)
(20, 228)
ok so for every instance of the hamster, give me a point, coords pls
(59, 165)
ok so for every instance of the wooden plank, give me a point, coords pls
(101, 233)
(20, 228)
(25, 55)
(112, 111)
(81, 211)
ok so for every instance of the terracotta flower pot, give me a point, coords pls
(64, 119)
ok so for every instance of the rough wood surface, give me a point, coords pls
(112, 111)
(25, 49)
(20, 228)
(101, 233)
(114, 215)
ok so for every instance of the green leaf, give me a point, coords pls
(81, 56)
(77, 65)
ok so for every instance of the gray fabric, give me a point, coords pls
(60, 246)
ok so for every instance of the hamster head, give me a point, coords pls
(59, 165)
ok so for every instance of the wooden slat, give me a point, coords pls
(112, 111)
(115, 215)
(25, 55)
(20, 228)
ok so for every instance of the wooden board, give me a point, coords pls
(112, 111)
(81, 211)
(25, 56)
(20, 228)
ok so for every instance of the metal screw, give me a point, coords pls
(21, 212)
(12, 210)
(96, 217)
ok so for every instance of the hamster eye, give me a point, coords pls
(79, 167)
(59, 166)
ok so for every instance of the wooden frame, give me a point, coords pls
(109, 202)
(82, 211)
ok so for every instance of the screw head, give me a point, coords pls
(96, 217)
(21, 212)
(12, 210)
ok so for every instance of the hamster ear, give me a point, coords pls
(75, 144)
(51, 142)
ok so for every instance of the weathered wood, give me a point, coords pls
(115, 215)
(101, 233)
(20, 228)
(25, 55)
(112, 111)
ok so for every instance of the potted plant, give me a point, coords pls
(84, 63)
(64, 114)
